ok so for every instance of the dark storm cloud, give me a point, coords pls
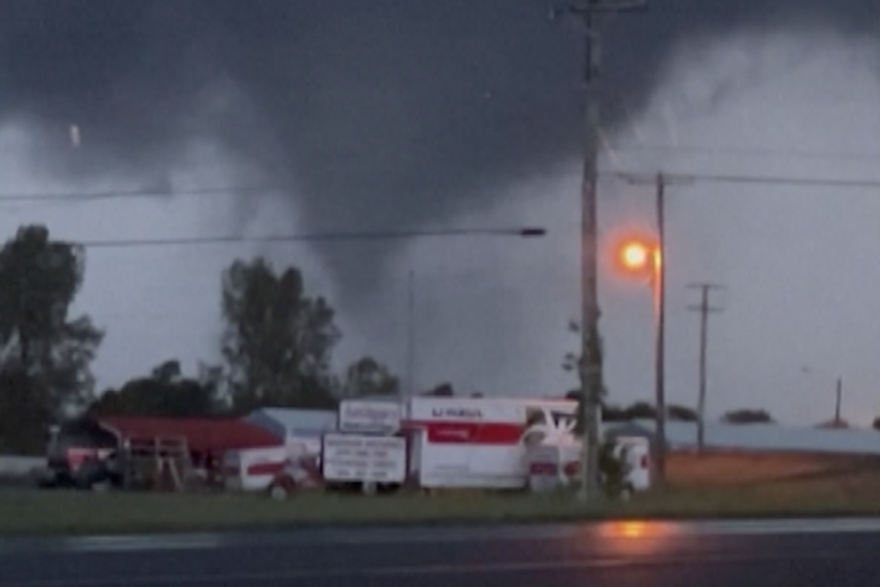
(380, 112)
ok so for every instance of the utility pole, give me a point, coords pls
(704, 308)
(839, 401)
(590, 365)
(660, 329)
(658, 283)
(410, 335)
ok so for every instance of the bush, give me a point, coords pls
(614, 469)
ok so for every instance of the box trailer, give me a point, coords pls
(481, 442)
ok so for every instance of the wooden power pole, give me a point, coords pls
(590, 365)
(704, 308)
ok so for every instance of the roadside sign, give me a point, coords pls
(370, 417)
(370, 459)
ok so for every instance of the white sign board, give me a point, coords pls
(369, 417)
(373, 459)
(466, 410)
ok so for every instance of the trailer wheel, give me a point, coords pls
(278, 492)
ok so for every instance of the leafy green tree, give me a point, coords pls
(166, 393)
(39, 280)
(278, 341)
(368, 377)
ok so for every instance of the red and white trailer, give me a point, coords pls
(480, 442)
(490, 443)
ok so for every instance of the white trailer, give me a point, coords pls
(481, 442)
(253, 469)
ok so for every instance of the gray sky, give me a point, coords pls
(443, 115)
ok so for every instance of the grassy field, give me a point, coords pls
(722, 485)
(741, 468)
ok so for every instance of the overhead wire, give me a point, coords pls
(743, 152)
(306, 237)
(122, 194)
(779, 180)
(133, 193)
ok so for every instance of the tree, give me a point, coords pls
(442, 390)
(40, 344)
(278, 341)
(641, 411)
(214, 377)
(168, 372)
(876, 424)
(367, 377)
(611, 413)
(614, 468)
(747, 416)
(572, 363)
(163, 394)
(23, 415)
(682, 413)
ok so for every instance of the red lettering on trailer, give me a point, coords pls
(457, 413)
(571, 469)
(489, 433)
(543, 469)
(265, 468)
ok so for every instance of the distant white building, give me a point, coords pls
(771, 437)
(296, 427)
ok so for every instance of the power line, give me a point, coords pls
(525, 232)
(633, 177)
(79, 197)
(745, 151)
(133, 193)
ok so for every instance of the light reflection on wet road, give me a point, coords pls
(626, 554)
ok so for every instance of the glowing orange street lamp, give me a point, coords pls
(640, 257)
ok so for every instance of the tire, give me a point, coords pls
(278, 492)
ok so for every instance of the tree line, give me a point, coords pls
(277, 347)
(643, 410)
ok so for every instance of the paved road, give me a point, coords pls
(806, 554)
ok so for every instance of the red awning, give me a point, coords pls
(202, 435)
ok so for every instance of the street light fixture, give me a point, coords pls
(644, 258)
(640, 257)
